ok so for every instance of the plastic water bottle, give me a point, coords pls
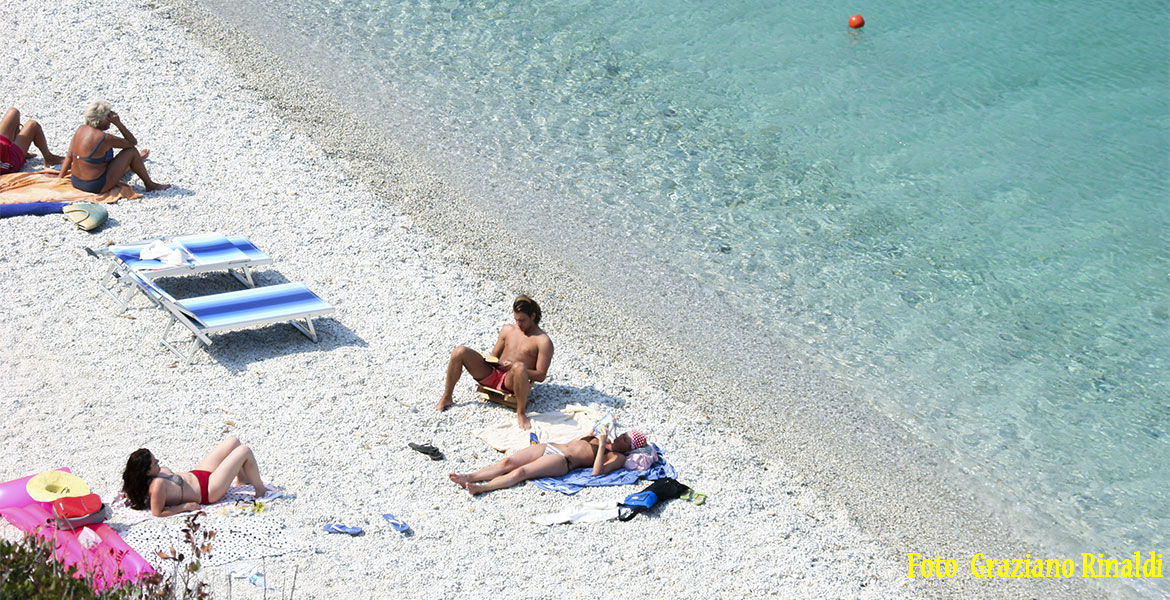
(88, 538)
(257, 579)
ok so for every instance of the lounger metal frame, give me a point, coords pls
(122, 263)
(182, 311)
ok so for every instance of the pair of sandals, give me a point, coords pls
(395, 523)
(693, 497)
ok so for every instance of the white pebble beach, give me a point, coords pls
(83, 385)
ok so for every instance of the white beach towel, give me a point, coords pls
(235, 540)
(572, 423)
(581, 512)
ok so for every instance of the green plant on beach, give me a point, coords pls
(183, 578)
(28, 570)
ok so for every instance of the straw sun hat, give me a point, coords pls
(50, 485)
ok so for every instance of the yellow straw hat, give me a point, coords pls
(50, 485)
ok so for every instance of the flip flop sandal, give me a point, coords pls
(339, 528)
(396, 523)
(427, 449)
(694, 497)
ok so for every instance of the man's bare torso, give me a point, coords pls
(519, 347)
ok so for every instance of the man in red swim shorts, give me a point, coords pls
(524, 351)
(15, 140)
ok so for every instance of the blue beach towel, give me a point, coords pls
(573, 481)
(31, 208)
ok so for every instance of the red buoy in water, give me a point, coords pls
(857, 21)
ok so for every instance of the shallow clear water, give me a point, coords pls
(962, 211)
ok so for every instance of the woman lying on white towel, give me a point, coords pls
(166, 492)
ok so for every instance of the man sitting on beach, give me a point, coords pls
(15, 140)
(524, 352)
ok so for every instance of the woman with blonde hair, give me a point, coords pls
(91, 163)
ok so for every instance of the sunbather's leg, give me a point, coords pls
(130, 159)
(517, 460)
(10, 124)
(520, 383)
(217, 454)
(462, 357)
(549, 465)
(240, 462)
(31, 133)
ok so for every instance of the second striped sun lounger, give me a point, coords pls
(203, 315)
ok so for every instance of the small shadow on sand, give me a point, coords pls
(174, 191)
(110, 223)
(546, 397)
(216, 282)
(236, 350)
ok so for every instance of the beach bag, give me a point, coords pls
(642, 458)
(73, 512)
(86, 215)
(662, 489)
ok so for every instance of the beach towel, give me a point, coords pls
(44, 186)
(571, 423)
(31, 208)
(240, 533)
(236, 539)
(581, 512)
(573, 481)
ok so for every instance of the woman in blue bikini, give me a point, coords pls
(553, 460)
(91, 163)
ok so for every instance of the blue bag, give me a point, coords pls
(662, 489)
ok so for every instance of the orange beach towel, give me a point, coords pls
(43, 186)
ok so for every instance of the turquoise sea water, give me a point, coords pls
(962, 211)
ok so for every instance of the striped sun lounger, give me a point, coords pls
(204, 315)
(203, 253)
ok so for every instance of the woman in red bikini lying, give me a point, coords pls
(167, 493)
(553, 460)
